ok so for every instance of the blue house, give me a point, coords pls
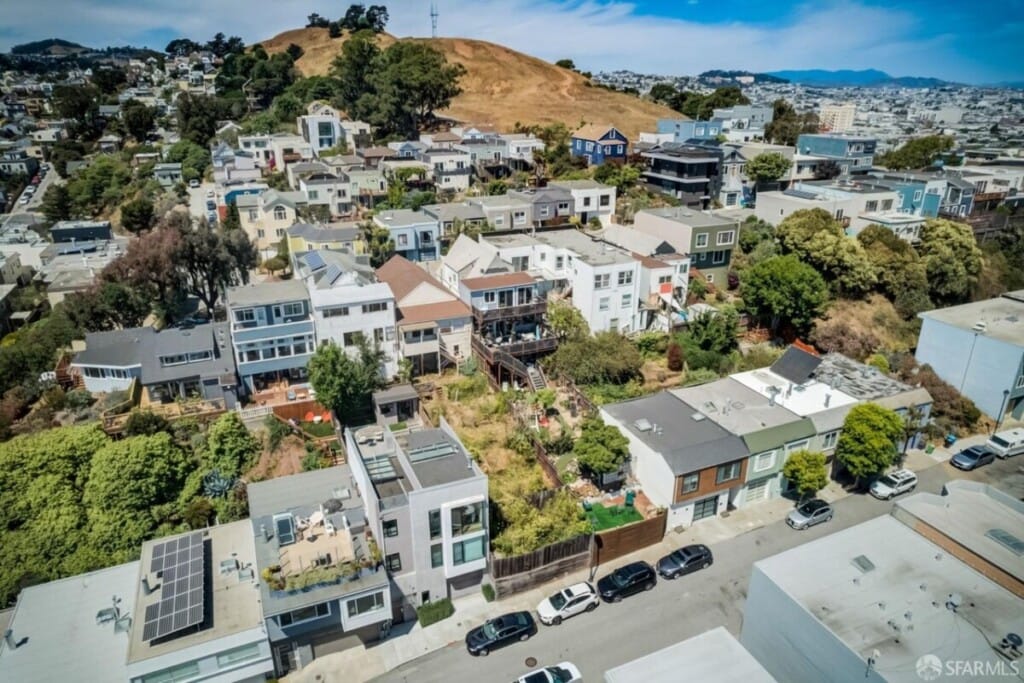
(598, 143)
(685, 129)
(853, 153)
(414, 233)
(921, 194)
(272, 333)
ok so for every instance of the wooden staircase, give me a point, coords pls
(536, 377)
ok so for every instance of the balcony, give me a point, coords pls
(483, 316)
(516, 346)
(452, 171)
(989, 196)
(246, 333)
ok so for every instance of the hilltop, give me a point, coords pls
(50, 46)
(501, 86)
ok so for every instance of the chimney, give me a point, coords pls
(264, 532)
(146, 588)
(9, 639)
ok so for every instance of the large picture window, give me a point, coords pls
(467, 518)
(468, 551)
(305, 614)
(365, 604)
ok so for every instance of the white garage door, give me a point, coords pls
(758, 489)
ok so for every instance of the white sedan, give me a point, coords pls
(580, 597)
(566, 672)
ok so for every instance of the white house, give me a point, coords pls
(451, 169)
(592, 199)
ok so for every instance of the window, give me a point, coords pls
(559, 262)
(763, 461)
(603, 304)
(403, 240)
(702, 240)
(173, 360)
(351, 338)
(586, 201)
(245, 315)
(664, 279)
(490, 297)
(603, 280)
(253, 214)
(518, 217)
(182, 672)
(305, 614)
(691, 482)
(291, 310)
(435, 523)
(261, 233)
(718, 257)
(299, 347)
(499, 221)
(625, 277)
(436, 555)
(335, 312)
(605, 200)
(727, 472)
(279, 232)
(830, 440)
(627, 300)
(284, 351)
(279, 213)
(252, 355)
(390, 528)
(365, 604)
(725, 238)
(393, 562)
(619, 149)
(468, 551)
(544, 210)
(871, 206)
(563, 206)
(375, 308)
(199, 356)
(313, 194)
(467, 518)
(239, 654)
(918, 195)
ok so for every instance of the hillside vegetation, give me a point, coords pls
(501, 86)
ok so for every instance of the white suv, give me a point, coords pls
(893, 484)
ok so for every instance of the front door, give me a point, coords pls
(705, 508)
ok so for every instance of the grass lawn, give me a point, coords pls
(317, 429)
(608, 518)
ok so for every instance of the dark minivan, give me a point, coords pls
(627, 580)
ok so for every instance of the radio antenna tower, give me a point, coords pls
(433, 20)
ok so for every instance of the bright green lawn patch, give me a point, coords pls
(317, 429)
(603, 518)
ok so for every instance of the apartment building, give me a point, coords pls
(853, 153)
(690, 173)
(505, 212)
(706, 237)
(549, 205)
(427, 502)
(320, 127)
(451, 217)
(451, 169)
(328, 190)
(273, 333)
(837, 118)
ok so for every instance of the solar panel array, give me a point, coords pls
(180, 563)
(314, 260)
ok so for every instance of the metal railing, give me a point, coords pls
(505, 312)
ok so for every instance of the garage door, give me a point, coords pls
(757, 490)
(705, 508)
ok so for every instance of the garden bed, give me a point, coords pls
(317, 430)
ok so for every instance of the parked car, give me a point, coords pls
(209, 194)
(566, 672)
(24, 199)
(627, 580)
(893, 484)
(193, 183)
(211, 217)
(814, 511)
(499, 632)
(211, 205)
(972, 457)
(580, 597)
(686, 560)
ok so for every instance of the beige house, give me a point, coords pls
(266, 217)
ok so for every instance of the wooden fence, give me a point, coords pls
(614, 543)
(297, 410)
(522, 572)
(545, 461)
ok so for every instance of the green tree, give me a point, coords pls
(663, 93)
(145, 423)
(411, 81)
(107, 306)
(566, 64)
(232, 220)
(198, 116)
(819, 240)
(899, 271)
(807, 472)
(497, 187)
(138, 119)
(354, 69)
(137, 215)
(379, 244)
(916, 153)
(566, 321)
(345, 382)
(768, 167)
(194, 159)
(709, 339)
(606, 357)
(952, 259)
(132, 475)
(784, 289)
(729, 96)
(601, 448)
(211, 259)
(787, 125)
(57, 205)
(287, 107)
(231, 447)
(867, 444)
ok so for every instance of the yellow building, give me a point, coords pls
(307, 237)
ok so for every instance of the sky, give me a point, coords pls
(968, 42)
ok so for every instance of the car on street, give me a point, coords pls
(211, 217)
(569, 602)
(211, 205)
(972, 457)
(627, 580)
(685, 560)
(24, 199)
(209, 194)
(814, 511)
(499, 632)
(566, 672)
(193, 183)
(893, 484)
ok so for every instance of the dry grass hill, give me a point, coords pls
(501, 86)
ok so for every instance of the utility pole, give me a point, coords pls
(433, 20)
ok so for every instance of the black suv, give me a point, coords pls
(685, 560)
(625, 581)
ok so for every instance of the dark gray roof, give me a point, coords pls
(212, 337)
(796, 365)
(399, 392)
(302, 493)
(687, 444)
(439, 470)
(118, 348)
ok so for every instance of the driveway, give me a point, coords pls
(674, 610)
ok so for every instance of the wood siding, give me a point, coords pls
(707, 483)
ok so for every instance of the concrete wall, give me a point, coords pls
(648, 467)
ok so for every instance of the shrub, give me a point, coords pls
(700, 376)
(77, 399)
(145, 423)
(433, 612)
(879, 361)
(652, 344)
(488, 591)
(675, 357)
(276, 431)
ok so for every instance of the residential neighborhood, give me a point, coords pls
(341, 356)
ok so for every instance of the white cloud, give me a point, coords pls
(596, 35)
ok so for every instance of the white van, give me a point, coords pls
(1007, 443)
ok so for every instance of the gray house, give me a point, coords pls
(550, 205)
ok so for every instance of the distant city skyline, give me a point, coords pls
(947, 39)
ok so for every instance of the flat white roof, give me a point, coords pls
(895, 602)
(714, 656)
(803, 399)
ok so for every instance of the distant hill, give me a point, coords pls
(50, 46)
(868, 78)
(501, 86)
(758, 78)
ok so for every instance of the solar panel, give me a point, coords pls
(380, 468)
(315, 261)
(285, 525)
(437, 450)
(796, 365)
(332, 273)
(180, 563)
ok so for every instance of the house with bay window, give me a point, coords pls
(427, 504)
(272, 333)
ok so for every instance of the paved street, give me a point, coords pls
(197, 200)
(674, 610)
(37, 198)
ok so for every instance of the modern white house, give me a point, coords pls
(592, 199)
(451, 169)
